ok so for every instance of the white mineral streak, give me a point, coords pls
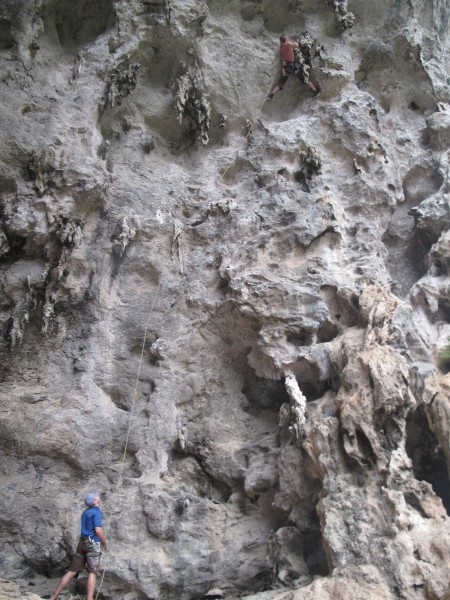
(298, 404)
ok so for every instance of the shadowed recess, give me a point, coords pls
(79, 23)
(427, 457)
(6, 36)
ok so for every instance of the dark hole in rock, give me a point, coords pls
(223, 285)
(438, 267)
(180, 506)
(16, 244)
(414, 502)
(6, 37)
(266, 393)
(444, 358)
(300, 337)
(79, 23)
(301, 178)
(307, 373)
(344, 309)
(428, 459)
(314, 389)
(355, 301)
(8, 185)
(444, 309)
(261, 581)
(214, 594)
(260, 182)
(413, 106)
(365, 448)
(314, 553)
(327, 332)
(287, 218)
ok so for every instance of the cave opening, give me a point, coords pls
(428, 459)
(300, 337)
(16, 245)
(80, 23)
(313, 549)
(265, 393)
(327, 332)
(444, 309)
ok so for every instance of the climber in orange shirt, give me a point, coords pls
(288, 67)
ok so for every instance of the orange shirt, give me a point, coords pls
(287, 50)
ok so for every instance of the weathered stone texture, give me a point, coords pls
(231, 317)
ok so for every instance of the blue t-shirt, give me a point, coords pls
(90, 519)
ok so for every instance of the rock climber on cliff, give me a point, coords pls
(88, 549)
(289, 67)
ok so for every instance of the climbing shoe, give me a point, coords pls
(269, 97)
(317, 90)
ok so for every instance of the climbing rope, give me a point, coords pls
(122, 465)
(119, 480)
(250, 127)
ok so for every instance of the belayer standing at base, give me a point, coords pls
(88, 549)
(288, 67)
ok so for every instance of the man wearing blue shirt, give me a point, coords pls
(88, 549)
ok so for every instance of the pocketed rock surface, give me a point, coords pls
(229, 316)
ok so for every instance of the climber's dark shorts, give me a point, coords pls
(87, 554)
(290, 69)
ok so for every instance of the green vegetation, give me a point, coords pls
(444, 357)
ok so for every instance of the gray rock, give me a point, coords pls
(229, 316)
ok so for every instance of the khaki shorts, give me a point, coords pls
(87, 554)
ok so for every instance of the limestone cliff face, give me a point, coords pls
(230, 316)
